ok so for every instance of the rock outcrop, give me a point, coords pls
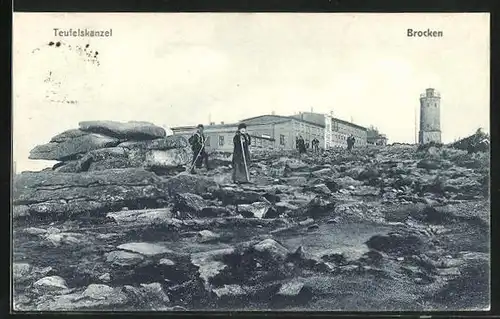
(102, 145)
(56, 195)
(116, 227)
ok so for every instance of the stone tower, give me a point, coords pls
(430, 120)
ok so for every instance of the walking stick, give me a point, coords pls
(244, 159)
(199, 152)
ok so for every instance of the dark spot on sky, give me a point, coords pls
(58, 44)
(86, 46)
(96, 53)
(51, 43)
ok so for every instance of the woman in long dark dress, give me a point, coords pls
(241, 155)
(302, 145)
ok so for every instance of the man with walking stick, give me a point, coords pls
(197, 142)
(241, 155)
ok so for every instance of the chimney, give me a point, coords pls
(212, 123)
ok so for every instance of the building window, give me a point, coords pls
(221, 140)
(282, 139)
(207, 142)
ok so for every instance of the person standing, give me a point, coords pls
(301, 145)
(241, 155)
(350, 142)
(200, 155)
(315, 144)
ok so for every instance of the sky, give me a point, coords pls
(176, 69)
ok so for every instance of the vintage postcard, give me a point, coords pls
(251, 161)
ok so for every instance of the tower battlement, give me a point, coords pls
(430, 93)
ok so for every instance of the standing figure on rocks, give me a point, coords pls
(241, 155)
(350, 142)
(200, 155)
(315, 145)
(301, 144)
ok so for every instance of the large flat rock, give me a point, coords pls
(68, 149)
(67, 135)
(167, 143)
(132, 130)
(71, 194)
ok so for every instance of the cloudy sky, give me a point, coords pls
(182, 69)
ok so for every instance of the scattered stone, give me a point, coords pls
(105, 277)
(275, 249)
(229, 291)
(207, 236)
(318, 207)
(257, 210)
(123, 258)
(347, 181)
(334, 220)
(307, 222)
(160, 161)
(51, 284)
(97, 291)
(291, 289)
(285, 207)
(155, 292)
(313, 227)
(166, 262)
(209, 264)
(397, 243)
(234, 196)
(320, 189)
(146, 249)
(191, 203)
(141, 216)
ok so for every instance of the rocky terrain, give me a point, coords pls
(119, 225)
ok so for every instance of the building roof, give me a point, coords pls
(216, 126)
(281, 119)
(277, 119)
(333, 119)
(378, 137)
(349, 123)
(193, 127)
